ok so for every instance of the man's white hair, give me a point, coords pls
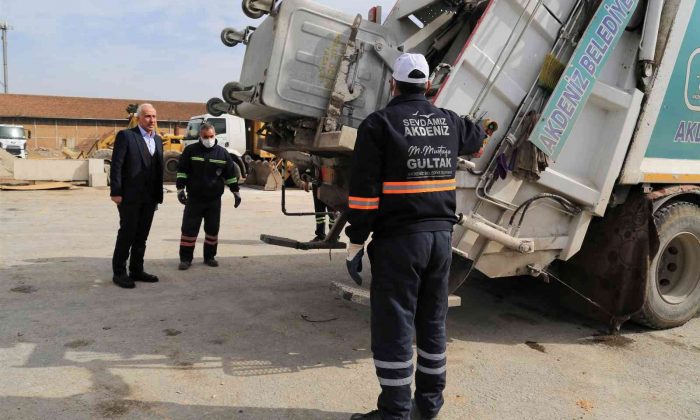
(139, 110)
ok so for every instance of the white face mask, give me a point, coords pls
(208, 143)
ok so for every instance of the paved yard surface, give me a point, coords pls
(261, 337)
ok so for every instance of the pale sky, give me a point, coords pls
(147, 49)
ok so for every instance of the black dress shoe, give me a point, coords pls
(184, 265)
(144, 277)
(372, 415)
(122, 280)
(211, 262)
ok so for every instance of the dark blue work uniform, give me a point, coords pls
(204, 172)
(403, 189)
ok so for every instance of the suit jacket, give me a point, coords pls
(130, 168)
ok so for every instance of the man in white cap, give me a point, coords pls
(402, 189)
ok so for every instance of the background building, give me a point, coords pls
(55, 122)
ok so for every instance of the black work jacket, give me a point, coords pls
(403, 168)
(204, 172)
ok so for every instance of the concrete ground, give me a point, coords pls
(261, 337)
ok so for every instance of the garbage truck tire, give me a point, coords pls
(170, 162)
(673, 282)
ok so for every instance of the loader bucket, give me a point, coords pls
(265, 175)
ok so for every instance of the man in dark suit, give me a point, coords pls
(136, 180)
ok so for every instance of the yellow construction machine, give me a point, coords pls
(263, 168)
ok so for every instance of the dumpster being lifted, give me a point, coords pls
(593, 178)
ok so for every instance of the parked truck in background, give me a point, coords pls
(592, 179)
(13, 138)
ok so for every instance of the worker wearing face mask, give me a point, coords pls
(205, 168)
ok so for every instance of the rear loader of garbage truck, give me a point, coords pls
(591, 179)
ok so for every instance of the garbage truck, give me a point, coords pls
(591, 174)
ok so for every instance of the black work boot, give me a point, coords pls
(319, 238)
(184, 265)
(143, 276)
(123, 281)
(417, 415)
(211, 262)
(372, 415)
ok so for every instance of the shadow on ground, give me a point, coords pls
(251, 317)
(25, 408)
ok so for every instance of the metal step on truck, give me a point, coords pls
(591, 176)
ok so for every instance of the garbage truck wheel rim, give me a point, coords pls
(678, 267)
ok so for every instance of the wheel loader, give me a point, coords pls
(267, 170)
(261, 169)
(592, 179)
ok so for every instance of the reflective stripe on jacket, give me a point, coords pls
(205, 172)
(403, 168)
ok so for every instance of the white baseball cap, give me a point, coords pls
(406, 63)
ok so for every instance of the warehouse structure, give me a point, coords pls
(55, 122)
